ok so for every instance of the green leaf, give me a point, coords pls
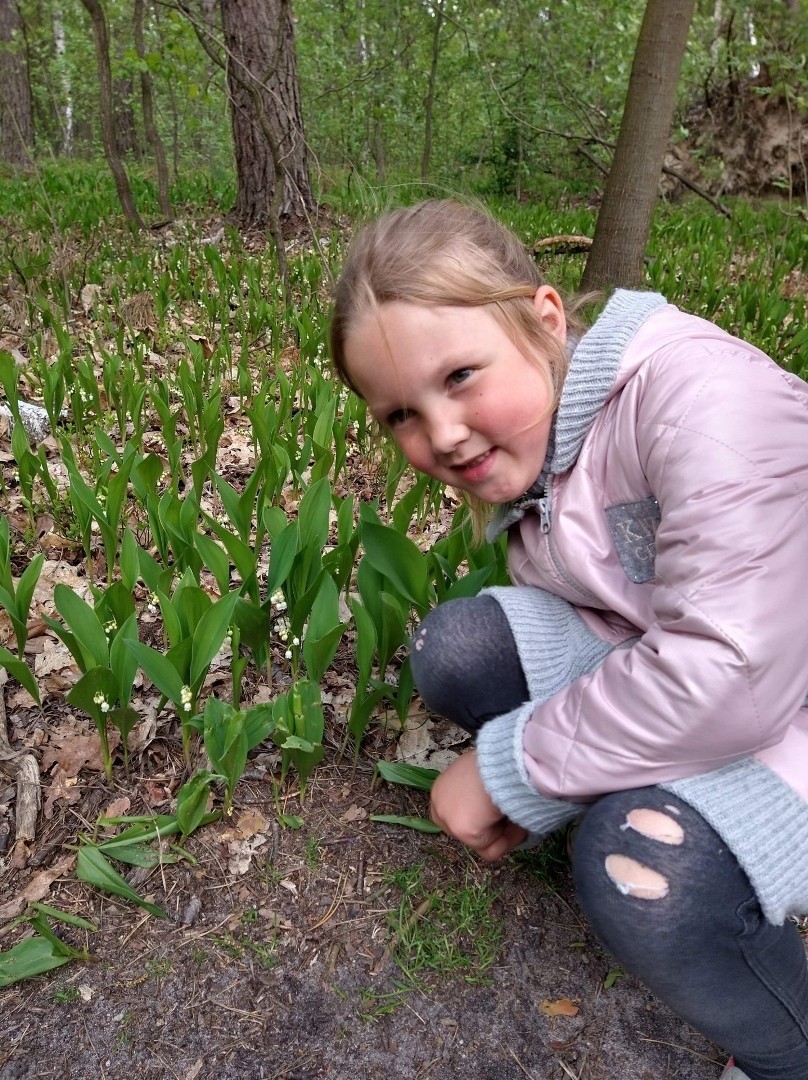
(159, 669)
(192, 800)
(399, 560)
(283, 549)
(28, 958)
(97, 681)
(397, 772)
(216, 560)
(84, 623)
(92, 867)
(210, 633)
(63, 916)
(313, 514)
(421, 824)
(143, 855)
(20, 671)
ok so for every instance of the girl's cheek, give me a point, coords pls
(415, 452)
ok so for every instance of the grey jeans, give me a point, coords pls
(704, 947)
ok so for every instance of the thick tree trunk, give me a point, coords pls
(152, 134)
(16, 116)
(624, 221)
(101, 37)
(267, 123)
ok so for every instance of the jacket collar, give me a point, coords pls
(594, 364)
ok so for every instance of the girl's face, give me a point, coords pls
(461, 400)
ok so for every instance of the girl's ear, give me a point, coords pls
(550, 309)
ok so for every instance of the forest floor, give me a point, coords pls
(346, 949)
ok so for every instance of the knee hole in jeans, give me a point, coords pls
(632, 878)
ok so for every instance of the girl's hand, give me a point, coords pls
(461, 806)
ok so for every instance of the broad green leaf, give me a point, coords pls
(27, 584)
(63, 916)
(20, 671)
(421, 824)
(365, 640)
(92, 867)
(399, 560)
(417, 776)
(84, 623)
(216, 560)
(28, 958)
(142, 855)
(283, 549)
(97, 682)
(210, 633)
(159, 669)
(258, 723)
(122, 660)
(313, 514)
(192, 800)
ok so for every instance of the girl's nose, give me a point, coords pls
(447, 431)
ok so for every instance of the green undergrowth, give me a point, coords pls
(225, 499)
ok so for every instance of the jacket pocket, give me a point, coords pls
(633, 528)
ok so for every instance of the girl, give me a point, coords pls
(646, 674)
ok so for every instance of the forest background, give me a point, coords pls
(208, 569)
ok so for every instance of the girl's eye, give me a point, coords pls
(460, 375)
(397, 417)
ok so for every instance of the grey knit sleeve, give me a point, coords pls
(555, 647)
(501, 762)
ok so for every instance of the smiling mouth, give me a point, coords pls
(474, 463)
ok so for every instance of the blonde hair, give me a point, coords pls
(444, 253)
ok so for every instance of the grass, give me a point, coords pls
(444, 930)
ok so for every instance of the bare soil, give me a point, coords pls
(295, 954)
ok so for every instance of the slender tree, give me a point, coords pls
(16, 117)
(624, 221)
(147, 97)
(101, 38)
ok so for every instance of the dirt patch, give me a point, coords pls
(745, 139)
(346, 949)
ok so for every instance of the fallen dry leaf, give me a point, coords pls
(354, 813)
(241, 854)
(75, 752)
(117, 808)
(562, 1007)
(37, 888)
(63, 788)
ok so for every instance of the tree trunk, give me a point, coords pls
(624, 221)
(437, 14)
(152, 134)
(126, 135)
(101, 37)
(16, 116)
(268, 139)
(65, 109)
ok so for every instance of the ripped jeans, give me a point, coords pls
(659, 887)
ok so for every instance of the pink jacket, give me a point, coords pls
(685, 520)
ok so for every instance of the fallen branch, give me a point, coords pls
(590, 157)
(567, 245)
(25, 766)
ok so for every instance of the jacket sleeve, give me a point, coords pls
(722, 667)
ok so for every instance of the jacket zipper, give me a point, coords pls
(545, 521)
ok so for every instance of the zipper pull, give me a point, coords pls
(544, 513)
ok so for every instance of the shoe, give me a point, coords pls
(732, 1072)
